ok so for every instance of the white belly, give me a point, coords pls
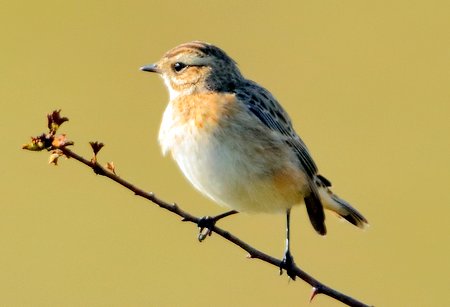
(223, 166)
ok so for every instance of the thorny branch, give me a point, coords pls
(57, 145)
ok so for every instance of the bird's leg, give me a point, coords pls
(288, 261)
(206, 223)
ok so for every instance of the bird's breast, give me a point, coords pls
(194, 118)
(229, 156)
(195, 130)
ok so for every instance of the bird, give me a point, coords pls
(236, 144)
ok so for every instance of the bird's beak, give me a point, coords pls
(151, 68)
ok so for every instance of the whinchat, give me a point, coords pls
(236, 144)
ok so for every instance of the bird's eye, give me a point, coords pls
(178, 66)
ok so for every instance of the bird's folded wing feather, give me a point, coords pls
(265, 107)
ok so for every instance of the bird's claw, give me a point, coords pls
(205, 224)
(288, 264)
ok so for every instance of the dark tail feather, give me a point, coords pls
(315, 212)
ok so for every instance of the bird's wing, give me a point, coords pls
(266, 108)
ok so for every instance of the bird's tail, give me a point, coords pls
(334, 203)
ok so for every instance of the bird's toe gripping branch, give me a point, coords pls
(288, 264)
(206, 224)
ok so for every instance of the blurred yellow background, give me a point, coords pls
(365, 82)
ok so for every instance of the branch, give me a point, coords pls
(57, 145)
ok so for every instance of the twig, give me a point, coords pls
(57, 144)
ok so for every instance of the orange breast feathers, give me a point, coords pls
(203, 110)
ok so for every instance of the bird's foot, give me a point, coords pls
(205, 225)
(288, 264)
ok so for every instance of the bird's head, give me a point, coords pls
(196, 67)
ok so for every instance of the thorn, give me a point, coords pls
(144, 194)
(249, 256)
(314, 292)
